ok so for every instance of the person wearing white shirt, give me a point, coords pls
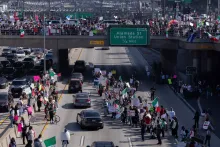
(171, 113)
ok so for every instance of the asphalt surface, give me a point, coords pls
(126, 61)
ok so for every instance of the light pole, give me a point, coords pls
(44, 45)
(218, 7)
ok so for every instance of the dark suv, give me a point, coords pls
(80, 66)
(75, 85)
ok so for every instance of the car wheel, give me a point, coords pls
(101, 127)
(77, 120)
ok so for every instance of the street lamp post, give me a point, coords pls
(44, 45)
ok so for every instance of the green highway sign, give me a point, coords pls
(129, 35)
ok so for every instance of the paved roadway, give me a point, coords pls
(125, 61)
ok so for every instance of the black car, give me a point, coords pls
(102, 144)
(48, 63)
(6, 63)
(29, 60)
(5, 104)
(3, 83)
(6, 51)
(19, 66)
(30, 79)
(80, 66)
(75, 85)
(36, 70)
(89, 119)
(28, 65)
(11, 57)
(9, 73)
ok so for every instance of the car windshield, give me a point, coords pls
(19, 83)
(74, 82)
(91, 114)
(3, 96)
(103, 144)
(20, 52)
(28, 59)
(76, 75)
(83, 95)
(6, 50)
(79, 63)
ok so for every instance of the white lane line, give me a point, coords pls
(82, 140)
(129, 141)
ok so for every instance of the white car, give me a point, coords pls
(20, 54)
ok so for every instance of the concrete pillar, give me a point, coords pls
(196, 60)
(56, 58)
(209, 61)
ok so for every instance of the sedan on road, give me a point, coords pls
(20, 54)
(3, 83)
(102, 144)
(82, 100)
(4, 102)
(89, 119)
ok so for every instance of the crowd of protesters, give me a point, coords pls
(123, 102)
(43, 93)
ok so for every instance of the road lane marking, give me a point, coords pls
(82, 140)
(129, 141)
(60, 97)
(2, 121)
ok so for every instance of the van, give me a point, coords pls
(75, 85)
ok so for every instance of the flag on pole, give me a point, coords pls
(155, 102)
(51, 142)
(124, 92)
(21, 33)
(120, 78)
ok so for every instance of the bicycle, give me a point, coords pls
(56, 119)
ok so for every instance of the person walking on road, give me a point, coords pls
(38, 141)
(11, 116)
(65, 138)
(158, 132)
(30, 136)
(143, 129)
(153, 90)
(12, 142)
(196, 119)
(208, 138)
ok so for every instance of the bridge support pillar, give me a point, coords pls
(209, 61)
(56, 59)
(196, 60)
(168, 60)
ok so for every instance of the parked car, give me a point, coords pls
(12, 57)
(89, 119)
(20, 54)
(19, 86)
(6, 51)
(13, 49)
(19, 66)
(9, 73)
(3, 83)
(6, 63)
(5, 102)
(75, 85)
(27, 50)
(29, 59)
(82, 100)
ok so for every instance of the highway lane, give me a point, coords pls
(124, 62)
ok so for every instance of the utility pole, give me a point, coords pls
(152, 1)
(218, 7)
(208, 6)
(49, 8)
(164, 8)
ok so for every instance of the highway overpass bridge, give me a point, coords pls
(175, 52)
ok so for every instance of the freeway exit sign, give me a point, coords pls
(129, 35)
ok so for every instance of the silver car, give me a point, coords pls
(82, 100)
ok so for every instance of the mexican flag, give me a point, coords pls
(51, 142)
(155, 102)
(124, 92)
(120, 78)
(21, 33)
(52, 74)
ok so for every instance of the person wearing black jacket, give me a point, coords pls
(158, 131)
(24, 132)
(196, 119)
(143, 129)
